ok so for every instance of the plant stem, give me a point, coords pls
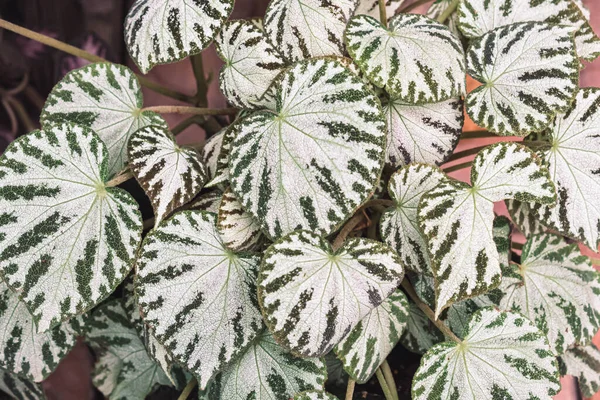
(14, 124)
(428, 311)
(34, 97)
(191, 110)
(350, 389)
(383, 384)
(201, 84)
(458, 167)
(346, 229)
(477, 135)
(188, 389)
(383, 13)
(372, 230)
(466, 153)
(379, 203)
(186, 123)
(517, 246)
(412, 6)
(448, 11)
(389, 378)
(121, 177)
(18, 108)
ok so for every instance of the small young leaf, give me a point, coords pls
(420, 334)
(584, 364)
(209, 201)
(220, 176)
(237, 228)
(211, 151)
(371, 8)
(18, 388)
(314, 395)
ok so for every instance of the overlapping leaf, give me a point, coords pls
(238, 229)
(313, 160)
(220, 176)
(313, 296)
(437, 8)
(165, 31)
(19, 388)
(67, 240)
(584, 364)
(420, 334)
(503, 356)
(416, 59)
(105, 97)
(524, 217)
(371, 8)
(529, 72)
(211, 151)
(197, 295)
(209, 201)
(314, 395)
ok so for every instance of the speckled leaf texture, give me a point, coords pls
(315, 395)
(426, 133)
(584, 364)
(18, 388)
(197, 295)
(529, 72)
(266, 371)
(66, 240)
(504, 356)
(364, 349)
(170, 175)
(371, 8)
(420, 334)
(302, 29)
(312, 296)
(477, 17)
(399, 224)
(123, 370)
(416, 59)
(238, 229)
(105, 97)
(165, 31)
(457, 219)
(313, 160)
(251, 63)
(557, 288)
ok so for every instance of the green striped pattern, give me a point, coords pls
(66, 240)
(584, 364)
(238, 229)
(313, 160)
(420, 334)
(220, 176)
(524, 217)
(529, 72)
(209, 201)
(416, 59)
(251, 63)
(266, 372)
(371, 8)
(165, 31)
(170, 175)
(302, 29)
(123, 369)
(425, 133)
(105, 97)
(364, 349)
(210, 152)
(457, 219)
(197, 295)
(504, 356)
(18, 388)
(314, 395)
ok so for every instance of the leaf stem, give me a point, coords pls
(186, 123)
(383, 13)
(379, 203)
(121, 177)
(466, 153)
(188, 389)
(346, 229)
(428, 311)
(448, 11)
(386, 390)
(477, 135)
(412, 6)
(350, 389)
(389, 378)
(191, 110)
(201, 84)
(18, 108)
(457, 167)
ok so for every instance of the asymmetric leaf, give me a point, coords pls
(67, 240)
(504, 356)
(371, 8)
(238, 229)
(197, 295)
(416, 59)
(105, 97)
(311, 162)
(19, 388)
(165, 31)
(529, 72)
(584, 364)
(420, 334)
(314, 395)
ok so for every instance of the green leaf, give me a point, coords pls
(420, 334)
(524, 217)
(164, 31)
(313, 296)
(67, 240)
(371, 8)
(426, 133)
(364, 349)
(529, 72)
(266, 371)
(123, 369)
(209, 201)
(504, 356)
(584, 364)
(170, 175)
(238, 229)
(251, 63)
(316, 158)
(416, 59)
(457, 219)
(315, 395)
(18, 388)
(105, 97)
(197, 295)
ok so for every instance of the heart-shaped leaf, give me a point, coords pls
(165, 31)
(584, 364)
(371, 8)
(416, 59)
(196, 294)
(420, 334)
(18, 388)
(105, 97)
(312, 296)
(504, 356)
(529, 72)
(314, 395)
(67, 240)
(313, 160)
(237, 228)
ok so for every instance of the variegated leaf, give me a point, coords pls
(314, 395)
(18, 388)
(311, 162)
(165, 31)
(437, 8)
(416, 59)
(266, 371)
(220, 176)
(302, 29)
(123, 370)
(209, 201)
(105, 97)
(524, 217)
(420, 334)
(313, 296)
(211, 151)
(196, 294)
(457, 219)
(584, 364)
(426, 133)
(504, 356)
(529, 72)
(558, 289)
(238, 229)
(364, 349)
(251, 63)
(399, 224)
(66, 240)
(170, 175)
(371, 8)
